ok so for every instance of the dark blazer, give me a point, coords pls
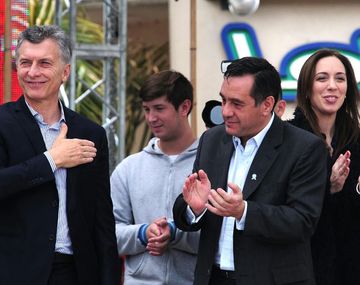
(29, 203)
(284, 204)
(335, 243)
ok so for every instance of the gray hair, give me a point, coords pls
(37, 34)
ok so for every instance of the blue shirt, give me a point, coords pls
(240, 163)
(49, 134)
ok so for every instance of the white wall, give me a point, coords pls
(280, 26)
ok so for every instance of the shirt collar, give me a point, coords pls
(38, 116)
(259, 137)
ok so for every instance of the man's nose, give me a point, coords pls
(151, 117)
(34, 70)
(226, 110)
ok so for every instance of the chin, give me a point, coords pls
(230, 131)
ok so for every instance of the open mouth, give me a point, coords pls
(330, 99)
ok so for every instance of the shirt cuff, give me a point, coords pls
(142, 234)
(172, 229)
(190, 216)
(240, 224)
(357, 188)
(51, 161)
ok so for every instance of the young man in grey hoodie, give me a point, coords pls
(145, 185)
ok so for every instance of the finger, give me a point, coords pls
(225, 196)
(86, 143)
(347, 162)
(154, 229)
(203, 176)
(63, 131)
(161, 223)
(216, 200)
(347, 154)
(154, 253)
(190, 180)
(213, 210)
(159, 239)
(339, 161)
(234, 188)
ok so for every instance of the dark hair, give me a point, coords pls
(347, 117)
(267, 80)
(37, 34)
(172, 84)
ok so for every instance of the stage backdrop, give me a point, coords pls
(19, 12)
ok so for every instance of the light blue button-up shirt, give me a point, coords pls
(240, 163)
(49, 134)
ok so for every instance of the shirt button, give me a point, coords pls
(55, 203)
(51, 237)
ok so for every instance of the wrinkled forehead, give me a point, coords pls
(45, 49)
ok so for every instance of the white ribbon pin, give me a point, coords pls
(253, 176)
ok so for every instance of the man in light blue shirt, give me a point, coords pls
(56, 220)
(257, 187)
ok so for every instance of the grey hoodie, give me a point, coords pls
(144, 187)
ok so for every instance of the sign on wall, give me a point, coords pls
(19, 12)
(239, 40)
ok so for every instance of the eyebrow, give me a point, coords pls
(231, 99)
(324, 72)
(156, 105)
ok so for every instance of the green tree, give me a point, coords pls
(143, 60)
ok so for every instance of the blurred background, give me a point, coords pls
(119, 43)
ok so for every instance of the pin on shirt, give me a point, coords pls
(253, 176)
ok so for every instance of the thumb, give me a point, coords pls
(234, 187)
(347, 154)
(63, 131)
(162, 223)
(202, 175)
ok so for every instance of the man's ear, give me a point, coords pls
(185, 107)
(280, 108)
(268, 105)
(66, 73)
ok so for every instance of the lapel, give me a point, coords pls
(71, 173)
(264, 158)
(29, 125)
(227, 147)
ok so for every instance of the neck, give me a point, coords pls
(50, 111)
(178, 144)
(327, 126)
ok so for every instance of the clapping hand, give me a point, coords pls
(227, 204)
(340, 172)
(196, 191)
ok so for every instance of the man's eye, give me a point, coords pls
(25, 63)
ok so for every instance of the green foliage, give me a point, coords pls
(142, 62)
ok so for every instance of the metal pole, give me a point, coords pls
(193, 63)
(58, 12)
(122, 79)
(73, 58)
